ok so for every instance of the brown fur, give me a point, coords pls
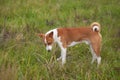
(68, 35)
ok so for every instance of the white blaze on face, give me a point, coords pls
(48, 47)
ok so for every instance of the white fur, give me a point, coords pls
(73, 43)
(96, 27)
(98, 60)
(59, 58)
(93, 54)
(49, 32)
(55, 35)
(86, 41)
(63, 55)
(49, 47)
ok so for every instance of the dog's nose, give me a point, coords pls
(49, 50)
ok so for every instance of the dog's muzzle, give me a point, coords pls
(48, 48)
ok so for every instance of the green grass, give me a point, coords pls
(23, 55)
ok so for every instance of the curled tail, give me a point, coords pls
(96, 26)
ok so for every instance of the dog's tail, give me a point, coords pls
(95, 26)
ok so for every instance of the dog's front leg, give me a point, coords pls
(63, 55)
(59, 58)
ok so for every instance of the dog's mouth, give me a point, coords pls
(49, 50)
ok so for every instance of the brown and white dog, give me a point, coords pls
(66, 37)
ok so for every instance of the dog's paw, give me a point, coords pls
(58, 58)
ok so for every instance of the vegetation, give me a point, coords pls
(23, 55)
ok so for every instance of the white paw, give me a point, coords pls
(58, 58)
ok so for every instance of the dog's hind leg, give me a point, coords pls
(94, 57)
(95, 49)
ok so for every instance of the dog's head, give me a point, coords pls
(48, 40)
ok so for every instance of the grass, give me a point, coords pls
(23, 55)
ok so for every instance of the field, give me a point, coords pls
(22, 52)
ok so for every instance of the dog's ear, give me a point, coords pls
(41, 35)
(51, 34)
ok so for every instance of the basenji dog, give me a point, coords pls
(67, 37)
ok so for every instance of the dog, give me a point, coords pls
(67, 37)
